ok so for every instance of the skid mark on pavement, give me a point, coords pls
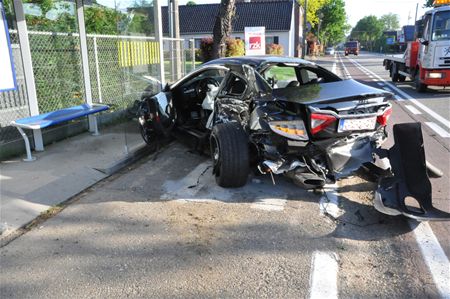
(434, 256)
(324, 275)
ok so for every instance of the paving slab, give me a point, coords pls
(63, 170)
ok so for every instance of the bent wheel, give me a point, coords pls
(230, 154)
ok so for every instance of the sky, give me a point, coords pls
(357, 9)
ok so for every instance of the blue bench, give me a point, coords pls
(45, 120)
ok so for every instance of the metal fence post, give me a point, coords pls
(97, 71)
(22, 31)
(85, 63)
(159, 38)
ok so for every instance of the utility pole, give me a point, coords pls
(174, 44)
(305, 21)
(417, 8)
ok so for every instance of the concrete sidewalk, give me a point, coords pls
(63, 170)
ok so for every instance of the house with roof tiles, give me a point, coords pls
(281, 18)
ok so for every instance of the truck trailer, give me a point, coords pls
(426, 60)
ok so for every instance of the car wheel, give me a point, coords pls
(229, 150)
(149, 136)
(420, 87)
(401, 78)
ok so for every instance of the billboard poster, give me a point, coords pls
(255, 40)
(7, 74)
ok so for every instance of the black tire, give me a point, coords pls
(401, 78)
(149, 137)
(420, 87)
(230, 154)
(394, 73)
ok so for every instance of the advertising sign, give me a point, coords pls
(7, 74)
(389, 41)
(401, 36)
(255, 40)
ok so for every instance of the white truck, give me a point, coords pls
(426, 60)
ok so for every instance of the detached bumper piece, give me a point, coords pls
(410, 182)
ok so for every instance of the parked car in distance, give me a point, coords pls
(329, 51)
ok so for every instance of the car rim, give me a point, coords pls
(215, 155)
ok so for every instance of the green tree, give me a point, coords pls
(368, 30)
(334, 22)
(312, 11)
(428, 3)
(191, 3)
(390, 21)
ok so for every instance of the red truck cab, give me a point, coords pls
(352, 47)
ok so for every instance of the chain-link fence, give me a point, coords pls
(120, 68)
(179, 57)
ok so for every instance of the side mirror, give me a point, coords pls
(424, 42)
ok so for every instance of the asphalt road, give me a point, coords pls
(163, 228)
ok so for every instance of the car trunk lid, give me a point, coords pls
(329, 93)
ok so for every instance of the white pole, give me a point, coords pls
(97, 71)
(85, 63)
(192, 44)
(159, 38)
(28, 70)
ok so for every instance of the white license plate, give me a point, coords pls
(357, 124)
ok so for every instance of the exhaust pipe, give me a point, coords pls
(306, 180)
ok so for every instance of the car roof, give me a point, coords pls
(256, 61)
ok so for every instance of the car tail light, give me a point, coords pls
(320, 121)
(383, 119)
(294, 129)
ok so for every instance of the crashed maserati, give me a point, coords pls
(287, 116)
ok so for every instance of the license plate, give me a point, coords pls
(357, 124)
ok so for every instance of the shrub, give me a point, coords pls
(235, 47)
(206, 46)
(274, 49)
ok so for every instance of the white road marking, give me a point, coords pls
(434, 256)
(333, 68)
(407, 96)
(398, 98)
(323, 281)
(269, 204)
(440, 131)
(347, 74)
(329, 202)
(380, 83)
(413, 109)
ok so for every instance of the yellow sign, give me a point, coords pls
(132, 53)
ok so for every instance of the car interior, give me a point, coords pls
(285, 75)
(191, 95)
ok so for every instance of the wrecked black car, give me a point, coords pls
(288, 116)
